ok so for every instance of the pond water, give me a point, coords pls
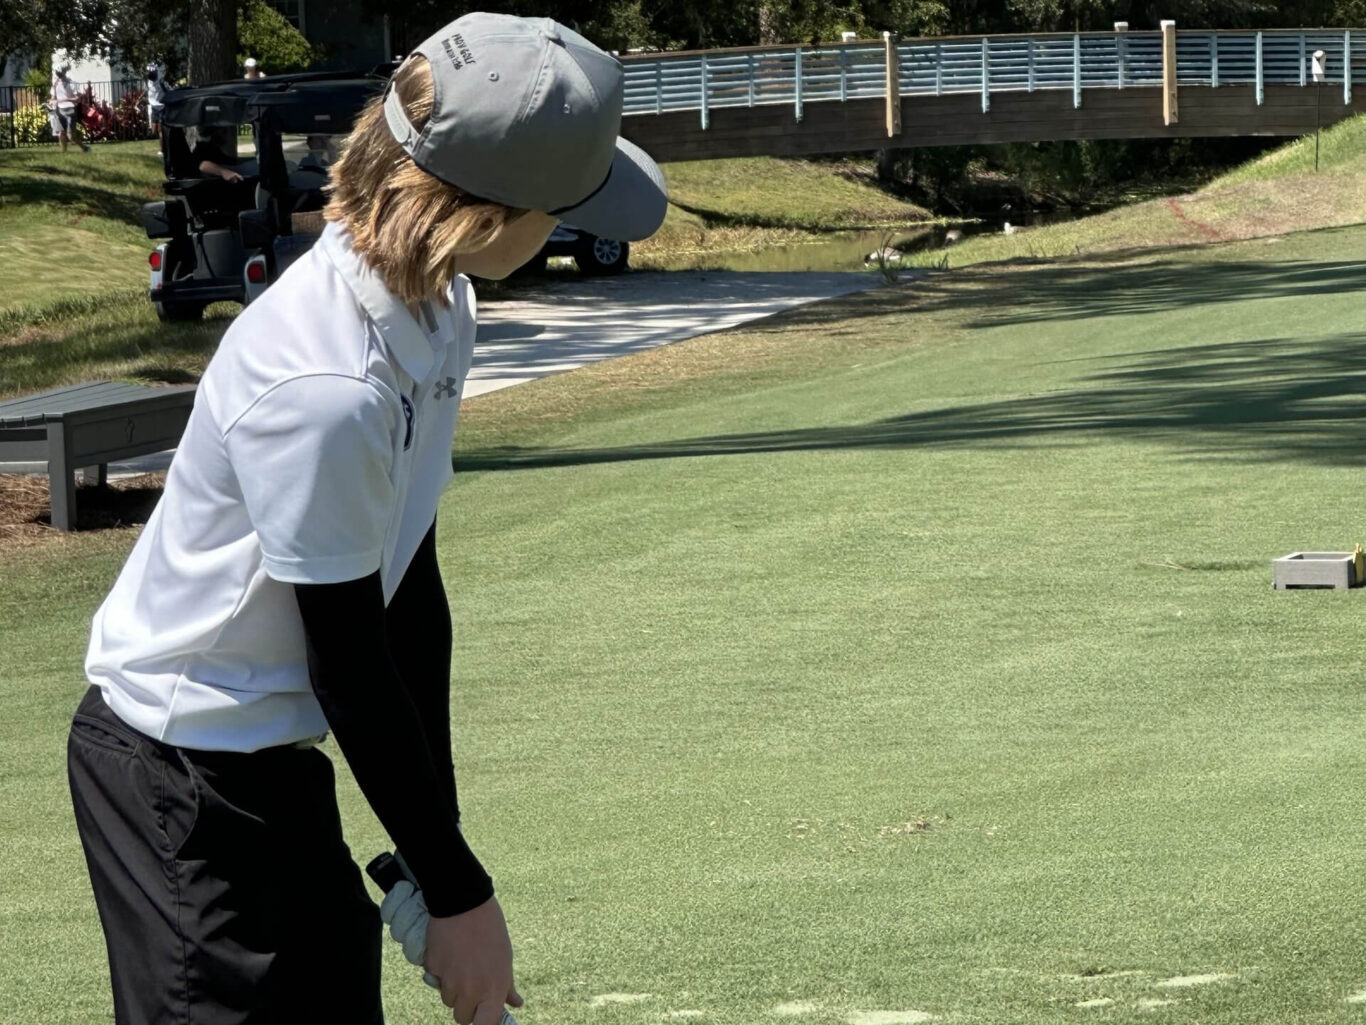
(848, 250)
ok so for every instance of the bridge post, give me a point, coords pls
(844, 74)
(893, 86)
(1303, 71)
(706, 114)
(986, 76)
(797, 82)
(1213, 61)
(1169, 108)
(1076, 70)
(1031, 63)
(1121, 51)
(749, 67)
(659, 87)
(939, 69)
(1261, 75)
(1347, 67)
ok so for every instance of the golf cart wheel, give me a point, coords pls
(180, 311)
(602, 255)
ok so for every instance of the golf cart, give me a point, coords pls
(228, 239)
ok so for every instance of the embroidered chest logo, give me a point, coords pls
(408, 416)
(447, 389)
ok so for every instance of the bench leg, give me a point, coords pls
(96, 476)
(61, 479)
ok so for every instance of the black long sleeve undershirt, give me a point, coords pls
(383, 680)
(418, 625)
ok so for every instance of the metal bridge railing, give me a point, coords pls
(985, 65)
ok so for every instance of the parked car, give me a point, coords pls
(228, 240)
(592, 254)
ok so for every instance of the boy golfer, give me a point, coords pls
(287, 587)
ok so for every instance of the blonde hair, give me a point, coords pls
(408, 225)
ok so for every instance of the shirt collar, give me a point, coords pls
(405, 338)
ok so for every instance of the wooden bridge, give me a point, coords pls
(795, 100)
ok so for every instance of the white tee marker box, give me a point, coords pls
(1305, 570)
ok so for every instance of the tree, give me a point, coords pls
(213, 40)
(198, 37)
(263, 33)
(32, 27)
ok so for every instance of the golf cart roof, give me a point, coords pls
(316, 102)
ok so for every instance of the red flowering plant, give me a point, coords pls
(97, 118)
(130, 116)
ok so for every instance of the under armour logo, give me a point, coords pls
(447, 389)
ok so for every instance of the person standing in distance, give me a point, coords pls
(286, 588)
(65, 97)
(253, 70)
(156, 99)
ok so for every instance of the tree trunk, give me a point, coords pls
(888, 165)
(213, 40)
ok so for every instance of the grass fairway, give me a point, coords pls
(911, 655)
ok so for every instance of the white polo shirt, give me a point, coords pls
(65, 93)
(317, 450)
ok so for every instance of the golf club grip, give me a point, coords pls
(387, 871)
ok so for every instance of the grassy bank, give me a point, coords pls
(752, 203)
(1277, 193)
(909, 658)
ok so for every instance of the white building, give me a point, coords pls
(108, 80)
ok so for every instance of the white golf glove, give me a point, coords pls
(405, 913)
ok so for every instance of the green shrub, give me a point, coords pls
(31, 125)
(38, 81)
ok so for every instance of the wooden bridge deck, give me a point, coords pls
(855, 125)
(986, 90)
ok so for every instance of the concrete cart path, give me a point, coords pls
(562, 325)
(565, 325)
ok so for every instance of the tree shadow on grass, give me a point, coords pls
(1083, 289)
(1059, 294)
(87, 348)
(1275, 400)
(79, 197)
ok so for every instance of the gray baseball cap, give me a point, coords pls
(527, 113)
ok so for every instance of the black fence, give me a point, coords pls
(107, 112)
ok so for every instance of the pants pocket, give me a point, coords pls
(179, 801)
(89, 730)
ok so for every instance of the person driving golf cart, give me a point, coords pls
(215, 155)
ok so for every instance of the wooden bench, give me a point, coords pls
(88, 426)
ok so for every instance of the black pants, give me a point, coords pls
(225, 890)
